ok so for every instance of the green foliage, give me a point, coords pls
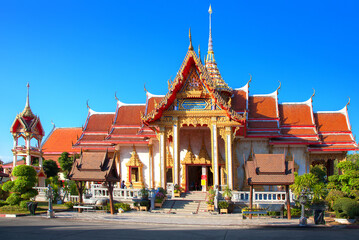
(23, 204)
(50, 168)
(346, 208)
(354, 158)
(144, 193)
(333, 195)
(3, 203)
(22, 187)
(347, 165)
(227, 192)
(210, 196)
(3, 194)
(66, 162)
(55, 184)
(70, 187)
(13, 199)
(69, 205)
(145, 203)
(162, 190)
(320, 172)
(223, 205)
(348, 181)
(24, 171)
(125, 207)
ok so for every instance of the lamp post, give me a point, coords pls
(303, 199)
(50, 196)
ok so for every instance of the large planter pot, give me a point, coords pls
(177, 194)
(223, 210)
(344, 221)
(210, 208)
(143, 208)
(158, 205)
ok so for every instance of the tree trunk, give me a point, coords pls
(289, 214)
(80, 189)
(250, 200)
(110, 192)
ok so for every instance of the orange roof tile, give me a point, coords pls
(262, 107)
(295, 114)
(298, 131)
(239, 100)
(61, 139)
(151, 103)
(130, 114)
(99, 122)
(331, 122)
(262, 124)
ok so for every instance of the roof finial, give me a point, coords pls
(199, 52)
(190, 40)
(87, 104)
(116, 97)
(144, 87)
(280, 84)
(27, 98)
(311, 98)
(348, 103)
(210, 43)
(250, 78)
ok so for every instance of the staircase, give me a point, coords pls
(190, 203)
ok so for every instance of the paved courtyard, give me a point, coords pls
(71, 225)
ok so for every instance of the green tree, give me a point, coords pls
(22, 188)
(66, 163)
(50, 168)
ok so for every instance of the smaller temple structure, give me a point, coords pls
(27, 127)
(95, 167)
(270, 169)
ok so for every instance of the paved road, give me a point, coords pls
(35, 228)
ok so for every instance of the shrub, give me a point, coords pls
(22, 187)
(2, 203)
(333, 195)
(23, 204)
(144, 193)
(13, 199)
(145, 203)
(346, 208)
(69, 205)
(162, 190)
(223, 205)
(3, 194)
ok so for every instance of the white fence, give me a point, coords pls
(262, 197)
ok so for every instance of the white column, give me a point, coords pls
(204, 173)
(175, 153)
(40, 162)
(14, 161)
(229, 158)
(163, 156)
(28, 157)
(215, 155)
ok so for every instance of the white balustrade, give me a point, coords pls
(262, 197)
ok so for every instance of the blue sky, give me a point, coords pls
(71, 51)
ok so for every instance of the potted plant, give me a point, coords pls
(144, 205)
(227, 193)
(177, 191)
(159, 198)
(144, 194)
(210, 199)
(223, 207)
(135, 206)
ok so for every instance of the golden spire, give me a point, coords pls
(190, 40)
(27, 110)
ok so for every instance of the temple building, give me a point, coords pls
(202, 132)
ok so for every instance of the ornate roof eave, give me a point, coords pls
(176, 85)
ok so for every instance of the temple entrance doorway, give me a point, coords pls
(194, 178)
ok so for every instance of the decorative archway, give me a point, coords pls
(134, 171)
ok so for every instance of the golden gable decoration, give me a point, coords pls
(203, 157)
(134, 170)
